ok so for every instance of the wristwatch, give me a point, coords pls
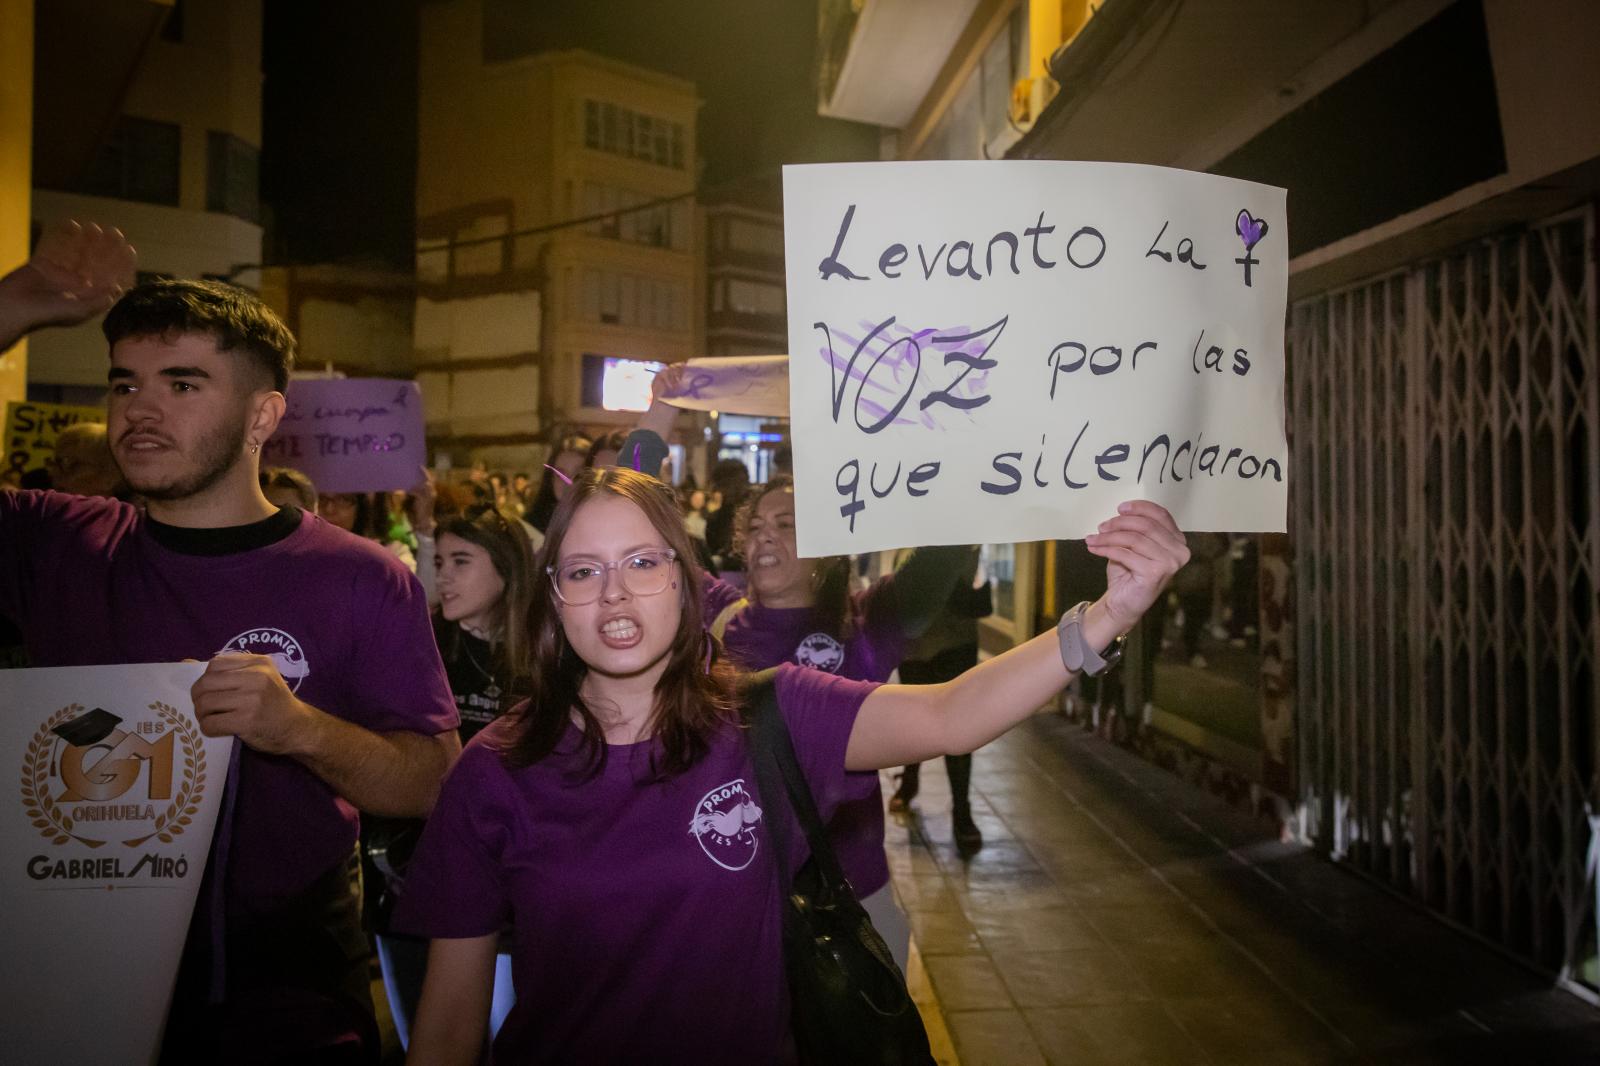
(1076, 655)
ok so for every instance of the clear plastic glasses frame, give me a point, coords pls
(580, 582)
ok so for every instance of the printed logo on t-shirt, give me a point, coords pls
(284, 651)
(820, 652)
(724, 823)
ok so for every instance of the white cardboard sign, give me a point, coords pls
(736, 385)
(1005, 351)
(101, 854)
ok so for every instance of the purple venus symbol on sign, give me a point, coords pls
(1251, 230)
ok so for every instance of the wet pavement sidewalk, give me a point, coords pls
(1117, 914)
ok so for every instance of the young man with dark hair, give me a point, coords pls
(234, 320)
(320, 660)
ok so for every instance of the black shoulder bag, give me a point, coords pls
(848, 999)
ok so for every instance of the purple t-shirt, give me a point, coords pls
(759, 638)
(344, 620)
(644, 913)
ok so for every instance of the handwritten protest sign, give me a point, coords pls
(101, 855)
(1004, 351)
(352, 434)
(738, 385)
(32, 429)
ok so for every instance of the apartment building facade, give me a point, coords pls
(556, 252)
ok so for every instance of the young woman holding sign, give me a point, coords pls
(610, 823)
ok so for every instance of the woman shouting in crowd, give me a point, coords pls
(596, 820)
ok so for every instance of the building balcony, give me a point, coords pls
(744, 261)
(878, 58)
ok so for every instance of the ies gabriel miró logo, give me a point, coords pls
(89, 776)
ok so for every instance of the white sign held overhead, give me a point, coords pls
(737, 385)
(1005, 351)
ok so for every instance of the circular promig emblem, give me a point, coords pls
(820, 652)
(725, 823)
(284, 651)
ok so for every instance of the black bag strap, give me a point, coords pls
(773, 751)
(761, 702)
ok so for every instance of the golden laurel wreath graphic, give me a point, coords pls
(52, 822)
(181, 811)
(56, 825)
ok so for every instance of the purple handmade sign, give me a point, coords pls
(352, 434)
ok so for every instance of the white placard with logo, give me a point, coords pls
(102, 849)
(1004, 351)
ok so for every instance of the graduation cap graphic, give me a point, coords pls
(87, 728)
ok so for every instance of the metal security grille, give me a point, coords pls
(1444, 431)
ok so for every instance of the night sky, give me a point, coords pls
(338, 167)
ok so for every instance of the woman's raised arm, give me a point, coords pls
(646, 446)
(901, 724)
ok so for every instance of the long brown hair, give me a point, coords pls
(697, 693)
(511, 554)
(830, 579)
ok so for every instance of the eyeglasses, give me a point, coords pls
(580, 582)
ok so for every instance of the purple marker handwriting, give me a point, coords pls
(892, 364)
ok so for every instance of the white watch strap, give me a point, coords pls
(1076, 655)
